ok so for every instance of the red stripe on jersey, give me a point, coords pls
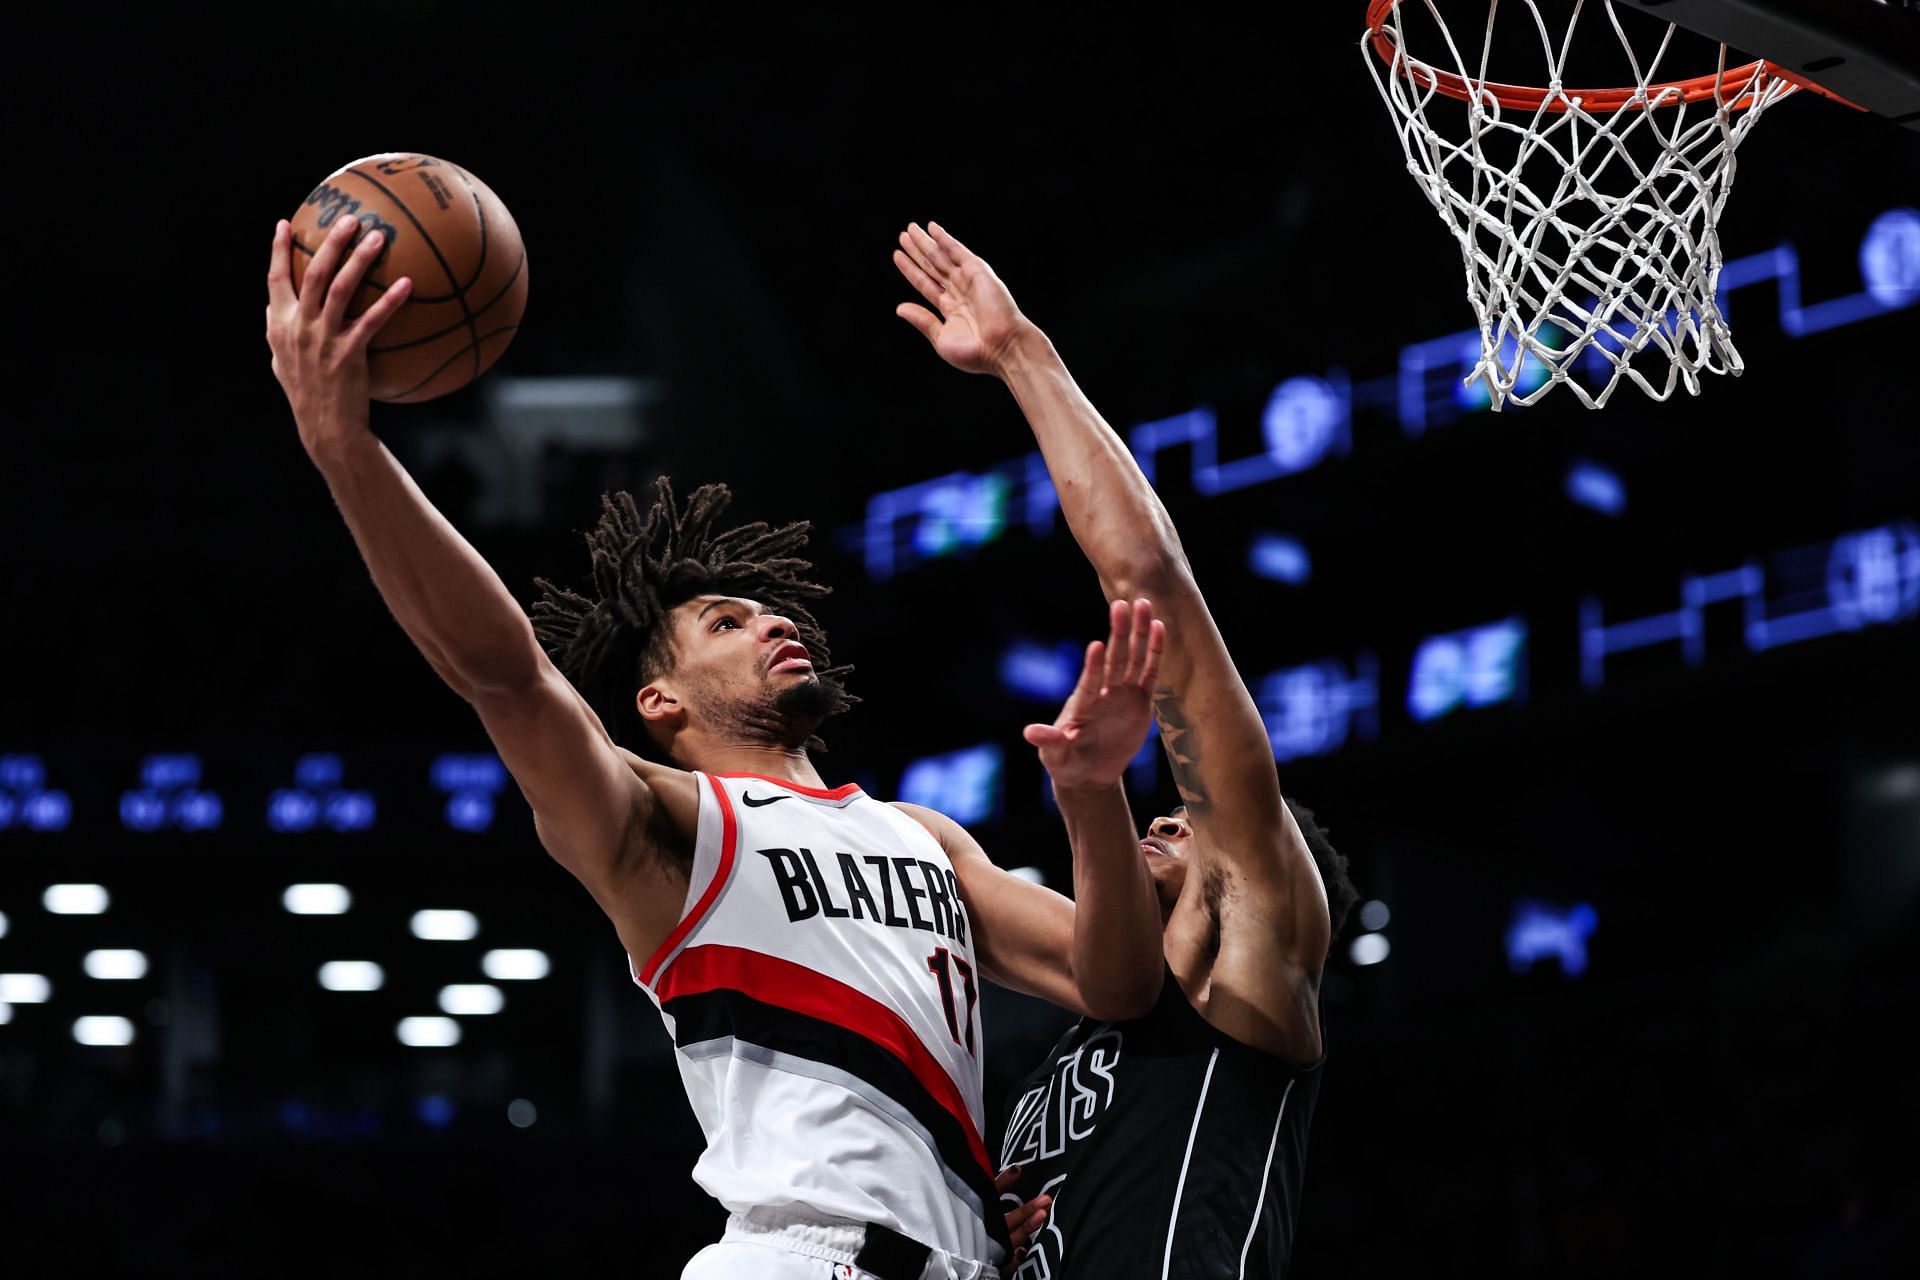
(837, 793)
(728, 830)
(799, 989)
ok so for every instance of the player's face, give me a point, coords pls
(738, 664)
(739, 644)
(1166, 845)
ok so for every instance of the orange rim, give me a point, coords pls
(1734, 84)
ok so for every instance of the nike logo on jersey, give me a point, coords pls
(748, 799)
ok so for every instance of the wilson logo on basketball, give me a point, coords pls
(332, 202)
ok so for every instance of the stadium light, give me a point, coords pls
(471, 999)
(3, 924)
(521, 1114)
(445, 926)
(75, 899)
(316, 899)
(428, 1033)
(351, 975)
(115, 966)
(6, 1013)
(1032, 875)
(521, 965)
(1374, 916)
(109, 1032)
(1370, 948)
(24, 988)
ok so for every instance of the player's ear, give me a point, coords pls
(659, 704)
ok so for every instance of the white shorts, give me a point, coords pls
(769, 1244)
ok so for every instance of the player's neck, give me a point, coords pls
(769, 760)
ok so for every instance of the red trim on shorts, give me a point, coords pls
(801, 990)
(837, 793)
(729, 829)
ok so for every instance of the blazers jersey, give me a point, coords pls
(823, 999)
(1172, 1151)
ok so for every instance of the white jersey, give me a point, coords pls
(823, 999)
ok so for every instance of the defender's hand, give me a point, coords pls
(977, 323)
(320, 356)
(1107, 716)
(1023, 1220)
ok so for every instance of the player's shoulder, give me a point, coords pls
(674, 792)
(932, 819)
(953, 837)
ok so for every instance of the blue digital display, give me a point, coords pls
(470, 810)
(960, 513)
(1890, 258)
(1477, 667)
(1280, 559)
(169, 772)
(1314, 709)
(964, 785)
(1041, 672)
(22, 773)
(1541, 931)
(143, 811)
(1870, 577)
(469, 772)
(1307, 419)
(470, 780)
(292, 810)
(318, 772)
(26, 801)
(349, 811)
(952, 514)
(1595, 487)
(197, 811)
(47, 811)
(169, 795)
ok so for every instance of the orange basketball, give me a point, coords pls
(452, 235)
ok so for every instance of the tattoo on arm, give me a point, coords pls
(1182, 741)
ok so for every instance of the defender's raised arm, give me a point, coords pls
(1214, 735)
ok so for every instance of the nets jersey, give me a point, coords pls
(823, 999)
(1172, 1151)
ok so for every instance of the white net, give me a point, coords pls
(1587, 219)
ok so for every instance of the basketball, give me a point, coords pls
(446, 230)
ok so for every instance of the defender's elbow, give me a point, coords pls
(1157, 577)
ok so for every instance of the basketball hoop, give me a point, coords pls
(1587, 218)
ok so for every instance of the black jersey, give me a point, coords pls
(1170, 1150)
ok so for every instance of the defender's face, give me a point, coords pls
(1166, 844)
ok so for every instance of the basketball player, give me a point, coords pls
(1173, 1143)
(809, 947)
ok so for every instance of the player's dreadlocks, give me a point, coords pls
(612, 643)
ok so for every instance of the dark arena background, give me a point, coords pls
(1616, 713)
